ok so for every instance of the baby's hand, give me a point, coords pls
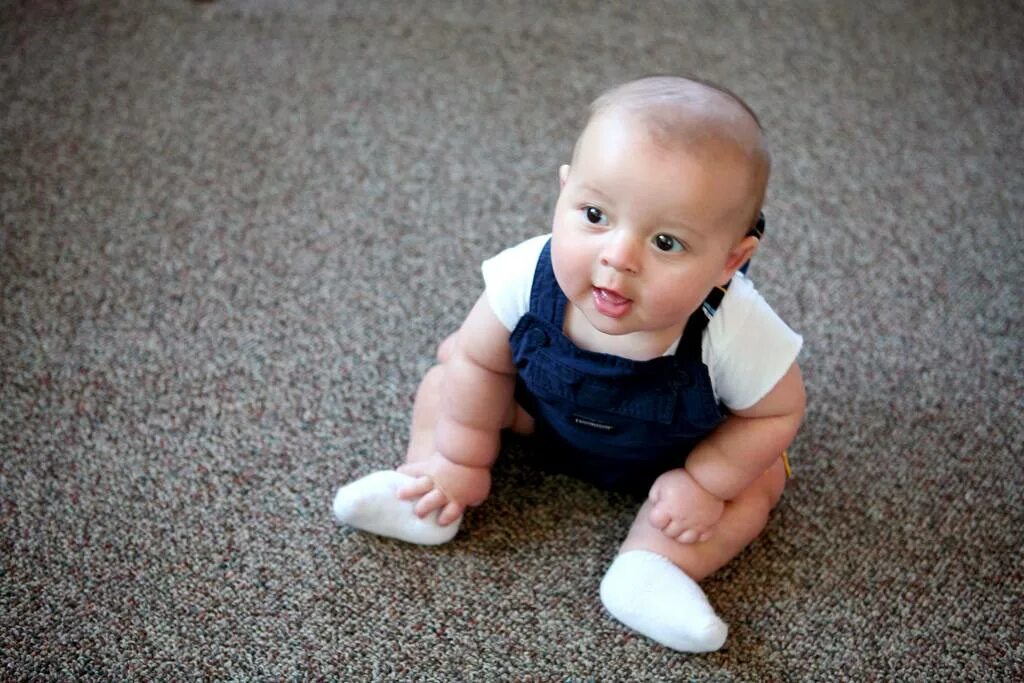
(446, 486)
(682, 509)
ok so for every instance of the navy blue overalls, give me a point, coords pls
(615, 422)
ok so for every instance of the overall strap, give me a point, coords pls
(547, 301)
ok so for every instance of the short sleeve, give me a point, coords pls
(747, 346)
(508, 280)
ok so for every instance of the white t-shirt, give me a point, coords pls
(746, 346)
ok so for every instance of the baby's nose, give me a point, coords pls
(621, 253)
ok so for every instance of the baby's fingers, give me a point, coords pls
(659, 517)
(693, 536)
(676, 530)
(688, 536)
(451, 512)
(416, 488)
(434, 500)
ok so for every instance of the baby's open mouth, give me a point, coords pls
(610, 303)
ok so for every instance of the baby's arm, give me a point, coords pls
(476, 394)
(688, 501)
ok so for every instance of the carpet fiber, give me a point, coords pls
(234, 232)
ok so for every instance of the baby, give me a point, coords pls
(633, 348)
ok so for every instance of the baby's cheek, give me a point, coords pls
(570, 272)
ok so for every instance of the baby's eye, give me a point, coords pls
(668, 243)
(595, 215)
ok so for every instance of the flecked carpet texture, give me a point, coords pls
(234, 232)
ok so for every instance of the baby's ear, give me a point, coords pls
(738, 255)
(563, 175)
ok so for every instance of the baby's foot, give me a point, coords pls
(371, 504)
(652, 596)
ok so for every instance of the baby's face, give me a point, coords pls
(642, 233)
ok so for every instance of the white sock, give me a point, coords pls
(371, 504)
(652, 596)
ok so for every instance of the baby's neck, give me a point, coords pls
(639, 346)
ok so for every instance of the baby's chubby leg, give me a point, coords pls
(652, 584)
(395, 504)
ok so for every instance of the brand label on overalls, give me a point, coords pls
(591, 423)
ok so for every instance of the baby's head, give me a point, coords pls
(665, 182)
(697, 118)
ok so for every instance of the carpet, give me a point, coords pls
(234, 232)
